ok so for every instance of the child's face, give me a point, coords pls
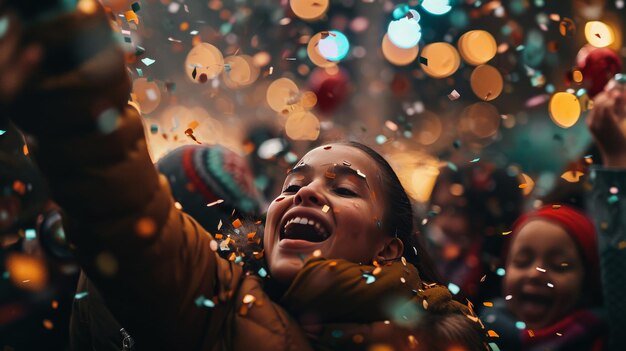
(331, 201)
(544, 274)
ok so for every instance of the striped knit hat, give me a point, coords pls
(202, 175)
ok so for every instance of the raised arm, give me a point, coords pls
(150, 261)
(607, 206)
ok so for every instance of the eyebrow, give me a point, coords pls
(334, 170)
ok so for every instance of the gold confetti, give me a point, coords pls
(249, 299)
(488, 304)
(325, 208)
(215, 203)
(317, 253)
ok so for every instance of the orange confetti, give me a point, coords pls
(493, 334)
(48, 324)
(25, 150)
(251, 235)
(145, 227)
(184, 26)
(131, 16)
(237, 223)
(193, 124)
(488, 304)
(55, 304)
(19, 187)
(522, 186)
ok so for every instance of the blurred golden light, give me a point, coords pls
(147, 94)
(314, 54)
(480, 119)
(281, 93)
(599, 34)
(486, 82)
(207, 62)
(308, 100)
(564, 109)
(572, 176)
(398, 56)
(309, 10)
(26, 271)
(261, 59)
(427, 128)
(241, 72)
(443, 60)
(577, 76)
(302, 126)
(477, 47)
(527, 184)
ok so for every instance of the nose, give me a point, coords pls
(308, 195)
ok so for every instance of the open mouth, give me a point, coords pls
(534, 305)
(304, 228)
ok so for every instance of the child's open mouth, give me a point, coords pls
(535, 306)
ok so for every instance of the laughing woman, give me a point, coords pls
(345, 272)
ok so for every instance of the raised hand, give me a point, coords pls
(607, 123)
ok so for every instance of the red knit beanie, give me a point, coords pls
(577, 225)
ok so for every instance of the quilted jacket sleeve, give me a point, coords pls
(152, 263)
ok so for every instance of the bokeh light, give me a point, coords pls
(26, 271)
(334, 47)
(314, 54)
(281, 93)
(477, 47)
(486, 82)
(204, 62)
(564, 109)
(302, 126)
(437, 7)
(147, 94)
(599, 34)
(481, 119)
(396, 55)
(309, 10)
(404, 33)
(442, 60)
(240, 72)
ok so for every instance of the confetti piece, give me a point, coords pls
(30, 234)
(550, 285)
(80, 295)
(507, 233)
(475, 160)
(219, 225)
(2, 132)
(494, 346)
(531, 333)
(454, 289)
(215, 203)
(508, 297)
(48, 324)
(202, 301)
(135, 7)
(262, 273)
(249, 299)
(520, 325)
(613, 199)
(572, 176)
(147, 61)
(493, 334)
(369, 279)
(488, 304)
(540, 269)
(317, 253)
(559, 334)
(501, 272)
(4, 26)
(131, 16)
(454, 95)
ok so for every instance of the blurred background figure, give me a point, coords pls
(38, 272)
(472, 207)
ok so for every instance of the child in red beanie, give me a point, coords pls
(552, 285)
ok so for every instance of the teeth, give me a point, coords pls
(304, 221)
(311, 222)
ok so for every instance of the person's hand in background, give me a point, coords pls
(606, 121)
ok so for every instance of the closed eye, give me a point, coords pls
(292, 189)
(345, 192)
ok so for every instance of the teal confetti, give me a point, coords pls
(520, 325)
(336, 333)
(262, 273)
(108, 120)
(202, 301)
(136, 7)
(475, 160)
(501, 272)
(6, 275)
(30, 234)
(148, 61)
(494, 346)
(4, 26)
(381, 139)
(140, 72)
(369, 279)
(453, 167)
(613, 199)
(80, 295)
(2, 132)
(154, 129)
(139, 50)
(454, 289)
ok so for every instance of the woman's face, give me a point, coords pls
(331, 202)
(544, 274)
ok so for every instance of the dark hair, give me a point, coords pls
(439, 332)
(398, 216)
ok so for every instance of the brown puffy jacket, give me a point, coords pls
(152, 263)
